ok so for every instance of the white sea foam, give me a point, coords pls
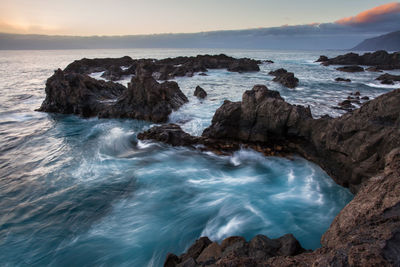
(379, 85)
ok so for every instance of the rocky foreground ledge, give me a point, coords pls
(72, 91)
(360, 150)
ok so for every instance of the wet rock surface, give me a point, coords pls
(353, 101)
(144, 99)
(73, 93)
(381, 60)
(339, 79)
(388, 78)
(200, 92)
(351, 69)
(236, 251)
(285, 78)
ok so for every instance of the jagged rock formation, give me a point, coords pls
(145, 98)
(382, 60)
(360, 150)
(164, 69)
(285, 78)
(200, 92)
(235, 251)
(73, 93)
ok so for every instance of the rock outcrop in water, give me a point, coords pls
(164, 69)
(388, 78)
(74, 93)
(382, 60)
(339, 79)
(351, 69)
(200, 92)
(144, 99)
(285, 78)
(360, 150)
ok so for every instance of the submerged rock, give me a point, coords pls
(388, 78)
(342, 80)
(285, 78)
(200, 92)
(382, 60)
(351, 69)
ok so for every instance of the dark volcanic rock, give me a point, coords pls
(87, 66)
(262, 116)
(373, 69)
(351, 69)
(380, 59)
(346, 105)
(285, 78)
(144, 99)
(170, 134)
(244, 65)
(164, 69)
(342, 80)
(322, 59)
(72, 93)
(388, 78)
(236, 251)
(200, 92)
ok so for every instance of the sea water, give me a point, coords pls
(84, 192)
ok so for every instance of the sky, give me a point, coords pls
(131, 17)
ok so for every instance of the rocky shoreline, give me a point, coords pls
(359, 150)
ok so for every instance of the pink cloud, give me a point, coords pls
(371, 15)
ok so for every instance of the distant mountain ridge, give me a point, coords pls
(388, 42)
(301, 37)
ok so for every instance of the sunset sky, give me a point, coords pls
(123, 17)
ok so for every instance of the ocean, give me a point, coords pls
(86, 192)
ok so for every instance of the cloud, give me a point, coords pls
(376, 14)
(23, 28)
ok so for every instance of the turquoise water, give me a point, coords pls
(85, 192)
